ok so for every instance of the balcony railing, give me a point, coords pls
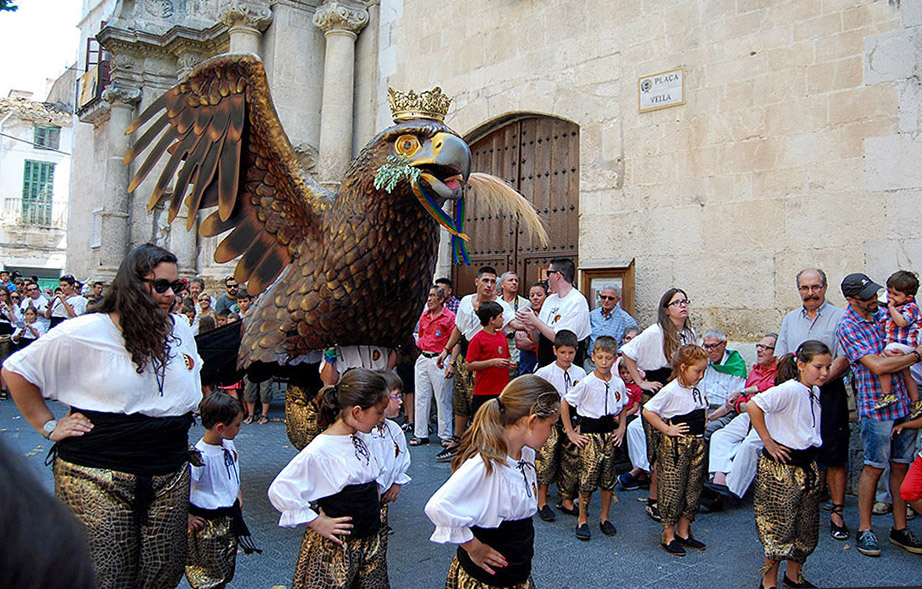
(40, 214)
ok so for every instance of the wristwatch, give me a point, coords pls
(48, 428)
(918, 357)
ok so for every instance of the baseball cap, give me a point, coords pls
(859, 286)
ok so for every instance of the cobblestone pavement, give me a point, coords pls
(633, 558)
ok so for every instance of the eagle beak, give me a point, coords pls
(446, 166)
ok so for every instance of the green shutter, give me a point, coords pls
(37, 193)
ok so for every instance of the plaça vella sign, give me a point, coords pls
(661, 90)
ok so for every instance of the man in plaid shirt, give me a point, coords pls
(861, 338)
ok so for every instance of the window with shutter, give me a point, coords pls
(37, 193)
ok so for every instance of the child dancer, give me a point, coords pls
(487, 505)
(390, 448)
(901, 325)
(786, 503)
(558, 458)
(338, 472)
(679, 411)
(215, 519)
(599, 399)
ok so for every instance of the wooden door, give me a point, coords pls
(539, 157)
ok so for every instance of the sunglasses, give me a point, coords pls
(606, 298)
(161, 285)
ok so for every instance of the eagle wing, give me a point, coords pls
(224, 138)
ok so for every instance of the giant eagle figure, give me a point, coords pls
(346, 268)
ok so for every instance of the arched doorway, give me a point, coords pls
(538, 156)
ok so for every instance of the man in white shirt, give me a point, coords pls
(68, 304)
(724, 378)
(509, 287)
(566, 308)
(33, 297)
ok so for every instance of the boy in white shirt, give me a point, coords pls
(558, 458)
(599, 399)
(215, 520)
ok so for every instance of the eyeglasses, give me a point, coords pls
(713, 346)
(549, 272)
(811, 287)
(682, 303)
(161, 285)
(607, 298)
(396, 397)
(764, 347)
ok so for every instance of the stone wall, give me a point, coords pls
(795, 146)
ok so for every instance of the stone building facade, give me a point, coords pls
(35, 146)
(798, 142)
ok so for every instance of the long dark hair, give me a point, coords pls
(145, 326)
(671, 337)
(787, 365)
(358, 387)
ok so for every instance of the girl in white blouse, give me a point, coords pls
(786, 502)
(332, 486)
(389, 445)
(487, 505)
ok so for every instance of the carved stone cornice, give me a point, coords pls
(119, 94)
(239, 13)
(186, 62)
(335, 16)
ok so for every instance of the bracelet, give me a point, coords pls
(918, 357)
(446, 350)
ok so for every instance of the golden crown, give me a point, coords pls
(429, 104)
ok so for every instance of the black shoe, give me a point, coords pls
(906, 539)
(568, 510)
(547, 514)
(608, 528)
(628, 482)
(723, 490)
(447, 454)
(804, 584)
(836, 531)
(653, 511)
(674, 548)
(582, 532)
(712, 504)
(418, 442)
(690, 542)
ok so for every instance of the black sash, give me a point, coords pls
(802, 459)
(599, 425)
(464, 343)
(238, 526)
(361, 502)
(515, 540)
(696, 421)
(137, 444)
(660, 375)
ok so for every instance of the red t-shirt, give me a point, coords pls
(485, 346)
(634, 392)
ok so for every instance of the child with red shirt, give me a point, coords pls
(488, 355)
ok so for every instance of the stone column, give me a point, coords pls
(340, 25)
(114, 228)
(245, 21)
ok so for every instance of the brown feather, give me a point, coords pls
(146, 139)
(228, 178)
(151, 110)
(244, 234)
(213, 225)
(168, 138)
(206, 173)
(261, 245)
(270, 266)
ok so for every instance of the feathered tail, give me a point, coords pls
(499, 197)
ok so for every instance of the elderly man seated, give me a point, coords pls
(734, 450)
(724, 379)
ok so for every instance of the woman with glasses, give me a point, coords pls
(648, 358)
(130, 374)
(205, 308)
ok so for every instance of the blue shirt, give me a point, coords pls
(614, 324)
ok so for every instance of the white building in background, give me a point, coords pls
(35, 151)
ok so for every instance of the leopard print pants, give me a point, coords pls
(597, 465)
(547, 459)
(681, 466)
(786, 511)
(301, 413)
(459, 579)
(125, 553)
(360, 563)
(212, 555)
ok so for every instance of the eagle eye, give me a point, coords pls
(407, 145)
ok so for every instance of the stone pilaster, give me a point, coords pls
(114, 217)
(341, 25)
(246, 22)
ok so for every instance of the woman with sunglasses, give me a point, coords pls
(648, 358)
(205, 308)
(130, 374)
